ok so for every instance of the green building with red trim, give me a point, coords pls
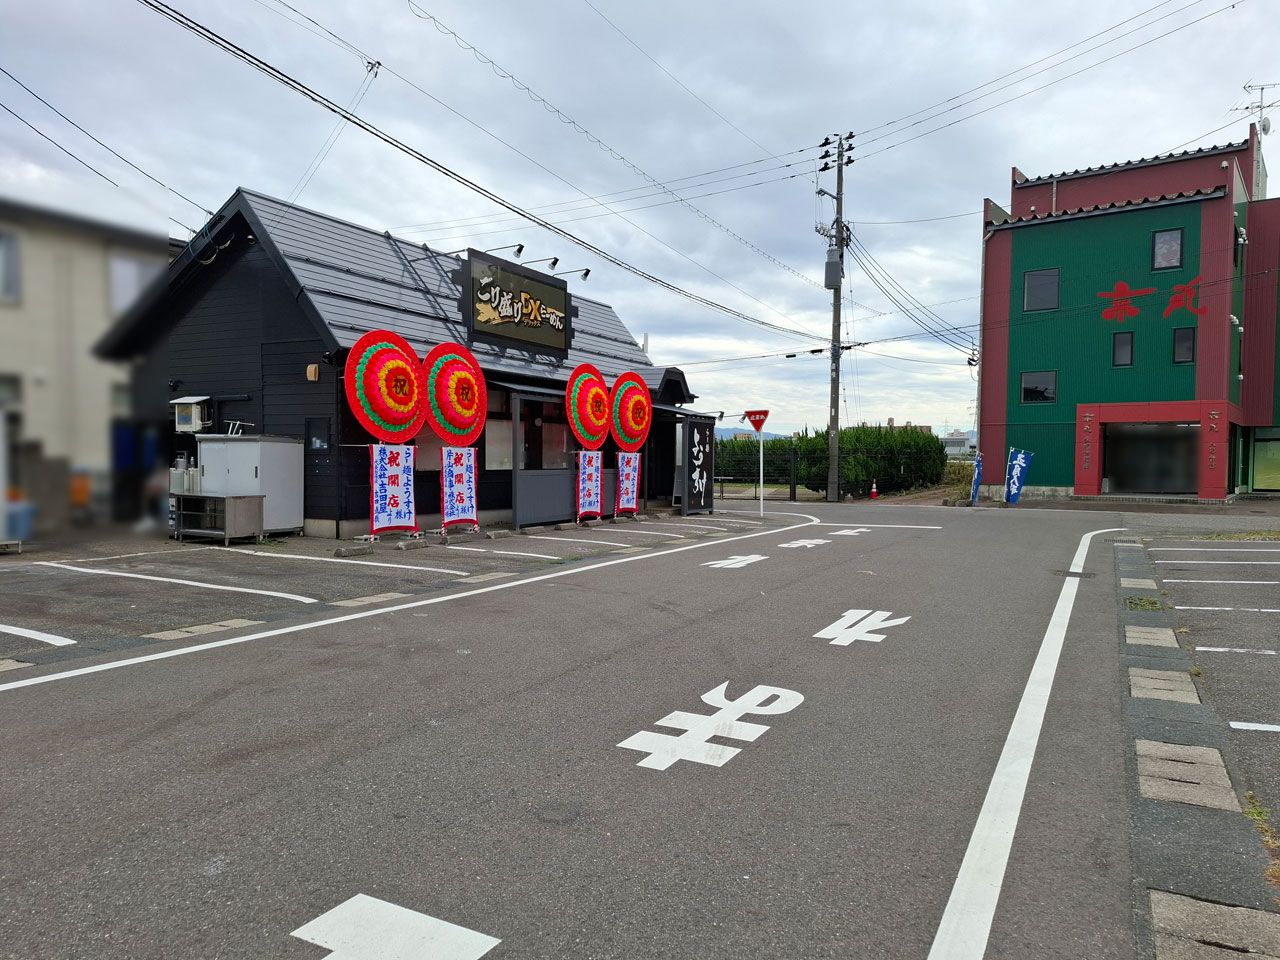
(1129, 328)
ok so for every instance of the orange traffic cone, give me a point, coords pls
(874, 495)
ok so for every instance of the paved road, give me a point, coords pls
(456, 753)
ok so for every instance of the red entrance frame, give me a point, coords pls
(1213, 417)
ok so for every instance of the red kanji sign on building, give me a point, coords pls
(1121, 306)
(757, 418)
(1184, 295)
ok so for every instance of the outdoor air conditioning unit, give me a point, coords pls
(188, 414)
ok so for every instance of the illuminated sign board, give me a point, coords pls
(508, 304)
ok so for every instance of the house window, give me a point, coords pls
(129, 277)
(1040, 386)
(9, 286)
(1122, 349)
(1040, 290)
(1166, 249)
(1184, 345)
(10, 390)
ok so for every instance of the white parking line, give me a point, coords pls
(363, 563)
(1233, 563)
(721, 519)
(117, 556)
(1244, 609)
(412, 605)
(882, 526)
(185, 583)
(966, 922)
(1218, 549)
(651, 533)
(36, 635)
(507, 553)
(1255, 583)
(1235, 650)
(1265, 727)
(603, 543)
(681, 523)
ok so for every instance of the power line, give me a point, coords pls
(500, 71)
(596, 216)
(297, 86)
(676, 79)
(113, 152)
(41, 133)
(891, 146)
(514, 149)
(647, 192)
(1025, 67)
(896, 294)
(570, 206)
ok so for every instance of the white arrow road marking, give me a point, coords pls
(366, 928)
(853, 627)
(36, 635)
(804, 543)
(850, 533)
(735, 562)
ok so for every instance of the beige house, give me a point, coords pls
(63, 280)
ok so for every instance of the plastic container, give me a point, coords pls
(22, 518)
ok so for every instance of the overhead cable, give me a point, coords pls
(297, 86)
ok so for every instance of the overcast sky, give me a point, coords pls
(678, 90)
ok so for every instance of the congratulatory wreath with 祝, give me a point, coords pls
(393, 394)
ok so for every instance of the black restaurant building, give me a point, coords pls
(258, 314)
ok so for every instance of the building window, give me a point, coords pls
(1122, 349)
(1184, 345)
(10, 289)
(1040, 386)
(1166, 249)
(10, 390)
(1040, 290)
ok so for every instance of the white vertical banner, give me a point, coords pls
(391, 488)
(590, 468)
(628, 483)
(458, 487)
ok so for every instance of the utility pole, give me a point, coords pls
(837, 240)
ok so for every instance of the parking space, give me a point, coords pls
(1226, 597)
(92, 597)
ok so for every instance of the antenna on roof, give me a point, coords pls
(1264, 122)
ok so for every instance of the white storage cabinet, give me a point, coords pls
(248, 465)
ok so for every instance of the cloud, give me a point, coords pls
(781, 78)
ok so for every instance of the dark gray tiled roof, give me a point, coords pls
(360, 280)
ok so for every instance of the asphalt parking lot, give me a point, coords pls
(83, 598)
(1226, 599)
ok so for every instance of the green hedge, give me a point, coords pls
(896, 459)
